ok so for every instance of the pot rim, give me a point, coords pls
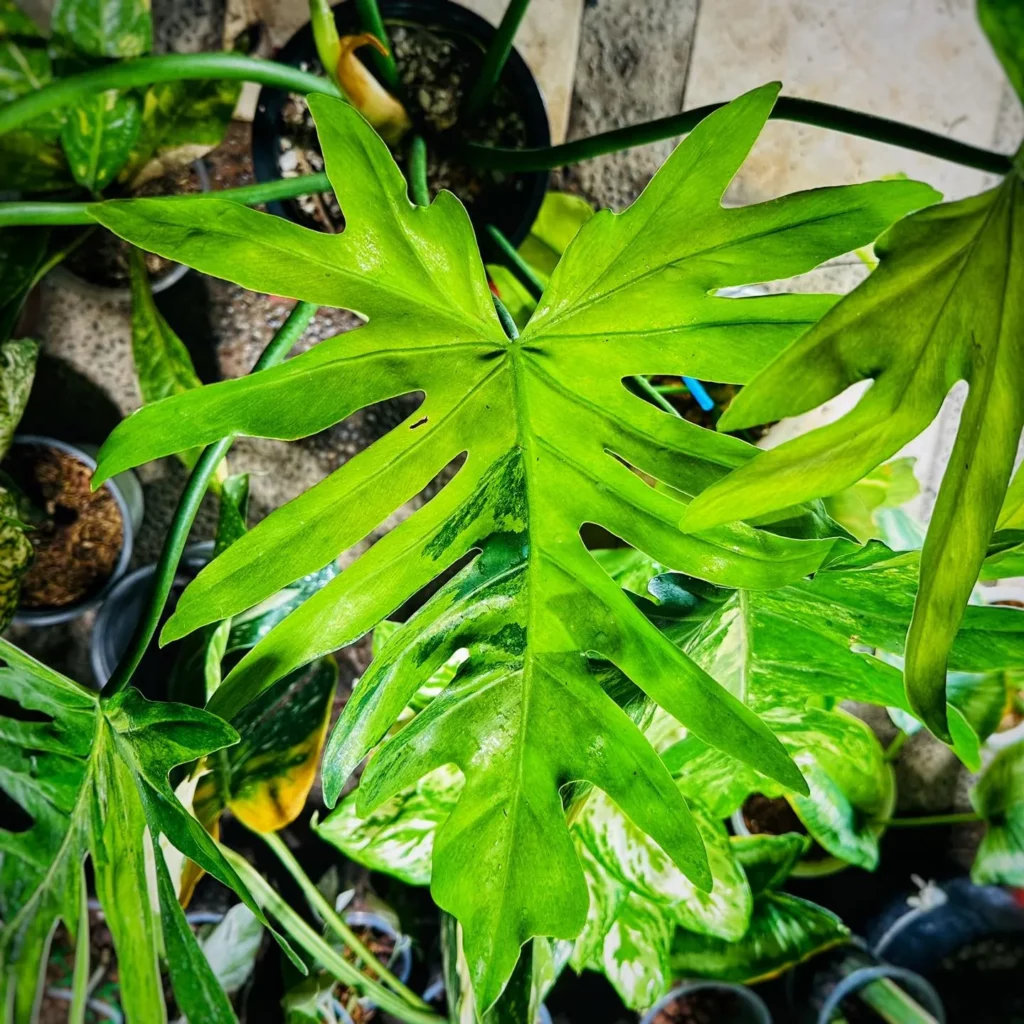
(920, 988)
(265, 132)
(195, 556)
(55, 616)
(752, 999)
(170, 277)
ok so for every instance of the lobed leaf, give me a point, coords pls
(943, 305)
(549, 439)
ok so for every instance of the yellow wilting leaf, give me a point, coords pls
(368, 96)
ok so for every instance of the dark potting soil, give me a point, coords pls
(435, 70)
(773, 816)
(102, 258)
(706, 1006)
(981, 982)
(77, 546)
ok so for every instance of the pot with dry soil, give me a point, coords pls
(82, 540)
(438, 48)
(708, 1002)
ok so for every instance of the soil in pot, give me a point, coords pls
(435, 71)
(78, 544)
(103, 259)
(773, 816)
(706, 1006)
(383, 947)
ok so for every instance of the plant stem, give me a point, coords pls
(318, 948)
(511, 258)
(371, 21)
(188, 505)
(171, 67)
(787, 108)
(25, 214)
(656, 397)
(333, 920)
(893, 750)
(965, 818)
(893, 1004)
(507, 323)
(418, 171)
(495, 57)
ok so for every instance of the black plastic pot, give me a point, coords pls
(512, 208)
(967, 940)
(122, 609)
(819, 988)
(749, 1008)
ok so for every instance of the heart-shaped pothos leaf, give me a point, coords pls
(90, 777)
(549, 438)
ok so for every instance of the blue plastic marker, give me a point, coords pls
(702, 398)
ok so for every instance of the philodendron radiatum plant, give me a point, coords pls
(556, 733)
(547, 438)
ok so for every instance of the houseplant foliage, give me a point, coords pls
(944, 305)
(93, 775)
(550, 434)
(113, 136)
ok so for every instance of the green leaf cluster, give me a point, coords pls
(92, 775)
(549, 439)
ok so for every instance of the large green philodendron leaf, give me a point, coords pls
(946, 303)
(98, 135)
(813, 638)
(784, 930)
(549, 433)
(998, 796)
(93, 776)
(104, 28)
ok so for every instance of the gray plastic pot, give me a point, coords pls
(752, 1008)
(123, 607)
(127, 493)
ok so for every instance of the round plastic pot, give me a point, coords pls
(167, 279)
(816, 989)
(515, 214)
(950, 917)
(127, 494)
(123, 607)
(752, 1009)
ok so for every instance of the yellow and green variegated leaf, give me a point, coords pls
(104, 28)
(163, 366)
(16, 555)
(945, 304)
(784, 931)
(31, 157)
(998, 796)
(550, 438)
(180, 121)
(769, 860)
(266, 777)
(98, 135)
(93, 775)
(17, 371)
